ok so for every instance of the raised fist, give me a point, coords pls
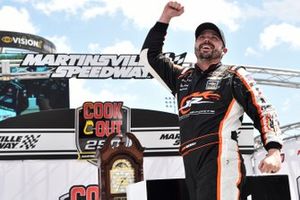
(172, 9)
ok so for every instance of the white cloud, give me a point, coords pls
(83, 90)
(61, 43)
(79, 93)
(252, 52)
(145, 13)
(18, 20)
(141, 12)
(121, 47)
(275, 35)
(21, 1)
(286, 10)
(94, 48)
(68, 6)
(283, 10)
(109, 7)
(225, 13)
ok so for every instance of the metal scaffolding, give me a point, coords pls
(10, 70)
(276, 77)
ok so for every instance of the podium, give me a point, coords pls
(273, 187)
(164, 189)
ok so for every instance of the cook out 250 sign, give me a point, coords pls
(95, 121)
(102, 119)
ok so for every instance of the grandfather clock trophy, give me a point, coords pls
(120, 163)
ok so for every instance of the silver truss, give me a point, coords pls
(271, 76)
(276, 77)
(291, 130)
(10, 70)
(288, 131)
(292, 126)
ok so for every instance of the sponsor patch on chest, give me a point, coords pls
(212, 84)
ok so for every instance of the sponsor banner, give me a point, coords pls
(65, 144)
(162, 141)
(26, 41)
(167, 137)
(36, 142)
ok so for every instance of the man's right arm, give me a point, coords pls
(151, 56)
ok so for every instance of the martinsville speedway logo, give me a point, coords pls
(18, 141)
(92, 66)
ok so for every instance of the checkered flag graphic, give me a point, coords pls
(29, 141)
(179, 59)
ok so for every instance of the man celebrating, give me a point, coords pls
(212, 99)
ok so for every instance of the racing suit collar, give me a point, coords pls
(211, 68)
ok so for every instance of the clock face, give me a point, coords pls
(121, 175)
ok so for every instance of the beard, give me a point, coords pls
(208, 55)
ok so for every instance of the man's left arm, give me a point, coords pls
(249, 95)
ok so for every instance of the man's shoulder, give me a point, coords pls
(185, 72)
(234, 68)
(239, 70)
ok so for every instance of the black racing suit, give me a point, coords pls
(211, 104)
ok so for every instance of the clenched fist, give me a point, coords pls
(172, 9)
(271, 163)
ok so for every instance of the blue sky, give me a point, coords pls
(259, 33)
